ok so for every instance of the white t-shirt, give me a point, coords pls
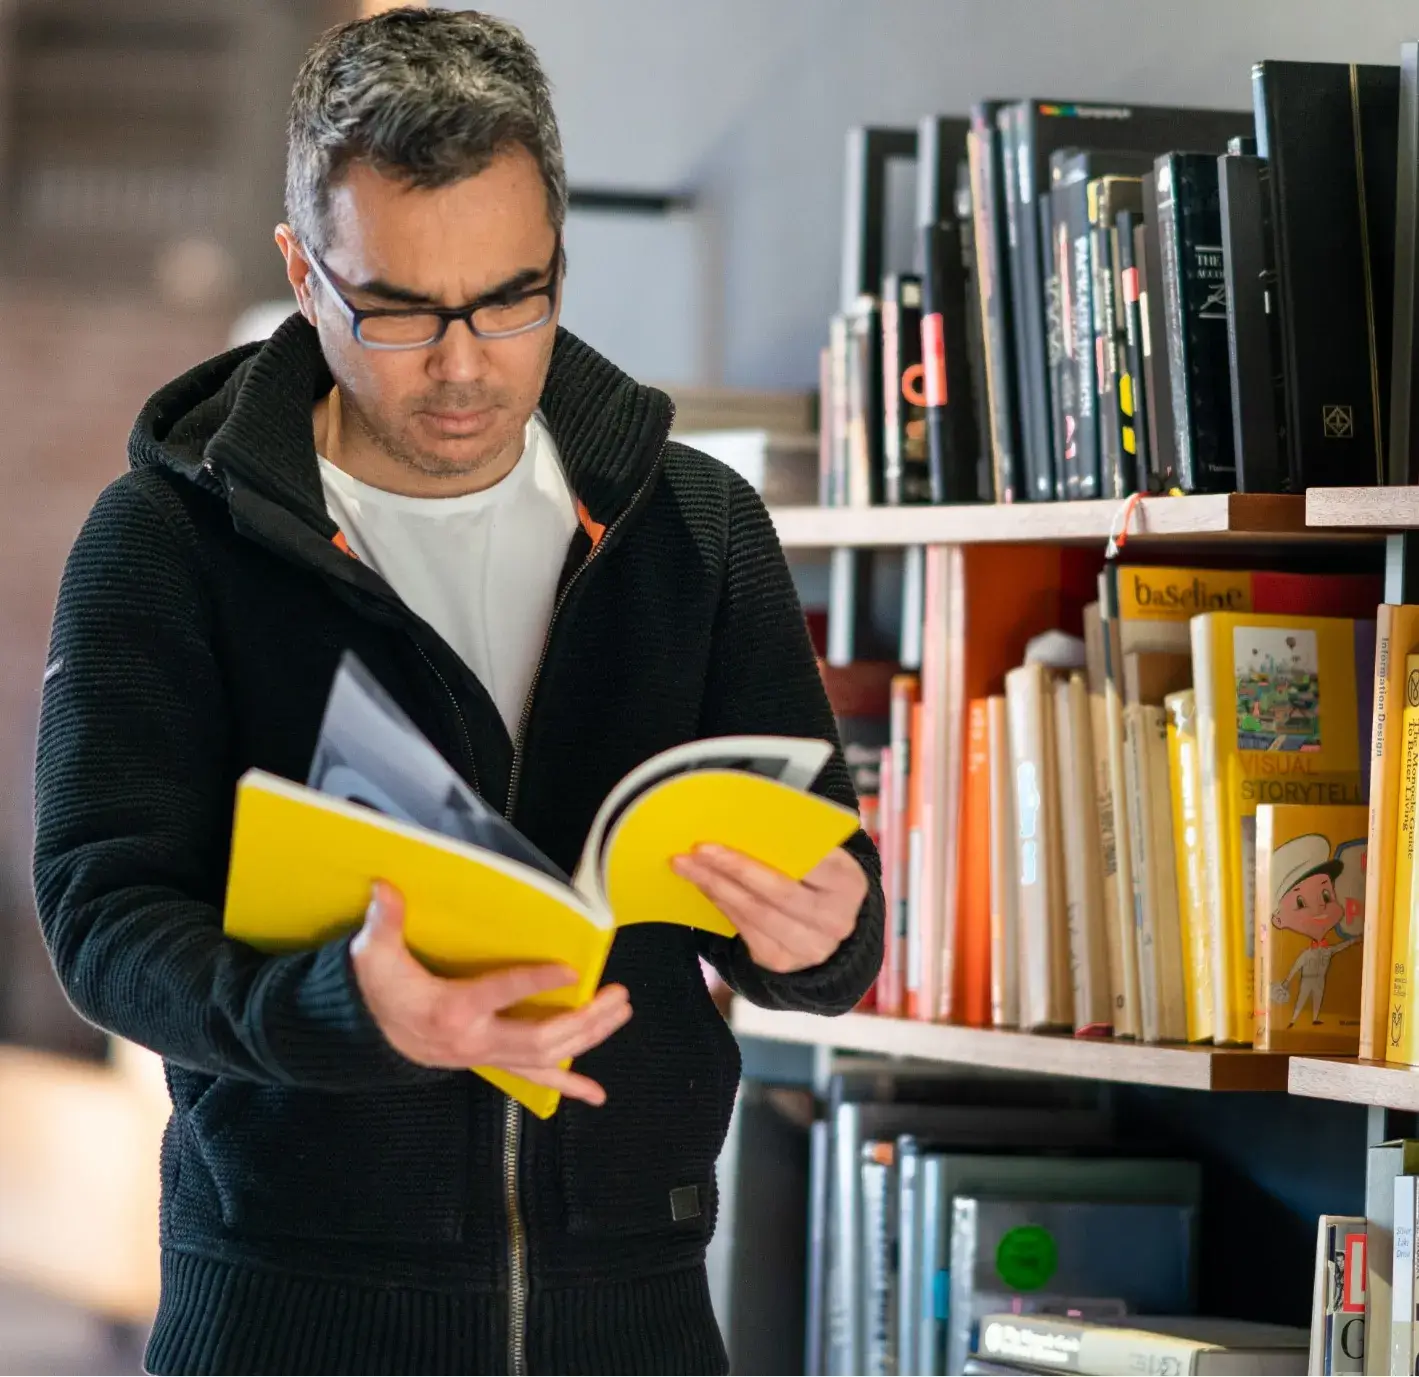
(481, 569)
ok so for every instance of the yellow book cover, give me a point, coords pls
(1280, 719)
(1396, 634)
(1187, 846)
(1399, 1041)
(303, 864)
(1310, 922)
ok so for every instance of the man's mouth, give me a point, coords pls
(459, 421)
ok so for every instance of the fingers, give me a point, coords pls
(503, 989)
(567, 1083)
(547, 1041)
(379, 945)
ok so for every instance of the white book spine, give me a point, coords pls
(1401, 1313)
(877, 1308)
(908, 1253)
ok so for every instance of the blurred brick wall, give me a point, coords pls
(73, 374)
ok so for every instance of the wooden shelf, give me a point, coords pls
(1184, 1068)
(1375, 509)
(1358, 1082)
(1212, 517)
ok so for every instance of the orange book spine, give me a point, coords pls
(914, 881)
(896, 843)
(973, 912)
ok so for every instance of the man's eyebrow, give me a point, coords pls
(389, 291)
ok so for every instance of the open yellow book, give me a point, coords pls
(303, 860)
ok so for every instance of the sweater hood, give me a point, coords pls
(240, 424)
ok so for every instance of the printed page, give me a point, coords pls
(370, 753)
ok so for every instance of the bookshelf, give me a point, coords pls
(1099, 1059)
(1372, 1083)
(1371, 509)
(1222, 517)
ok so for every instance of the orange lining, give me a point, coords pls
(593, 528)
(340, 543)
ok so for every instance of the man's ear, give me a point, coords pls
(298, 272)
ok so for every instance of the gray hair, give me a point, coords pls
(425, 96)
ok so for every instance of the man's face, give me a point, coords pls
(459, 406)
(1310, 907)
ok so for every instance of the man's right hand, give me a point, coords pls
(457, 1024)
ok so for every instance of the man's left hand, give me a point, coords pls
(786, 924)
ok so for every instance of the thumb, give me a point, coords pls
(384, 920)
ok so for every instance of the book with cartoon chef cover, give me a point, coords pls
(1310, 923)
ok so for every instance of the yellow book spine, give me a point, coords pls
(1400, 1042)
(1396, 634)
(1187, 847)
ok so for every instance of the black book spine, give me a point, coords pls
(993, 285)
(1195, 291)
(1054, 336)
(1027, 279)
(1082, 422)
(1132, 393)
(950, 420)
(975, 336)
(1256, 437)
(1162, 448)
(1404, 385)
(906, 478)
(1329, 132)
(1104, 482)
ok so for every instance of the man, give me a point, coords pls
(421, 467)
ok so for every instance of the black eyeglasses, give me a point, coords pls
(499, 315)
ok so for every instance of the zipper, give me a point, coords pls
(512, 1119)
(457, 712)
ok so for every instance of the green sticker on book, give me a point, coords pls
(1026, 1258)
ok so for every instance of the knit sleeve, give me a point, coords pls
(133, 802)
(763, 678)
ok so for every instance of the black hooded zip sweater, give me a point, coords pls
(328, 1206)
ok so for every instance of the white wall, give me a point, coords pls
(745, 102)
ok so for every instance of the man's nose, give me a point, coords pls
(460, 356)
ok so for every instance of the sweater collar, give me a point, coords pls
(245, 418)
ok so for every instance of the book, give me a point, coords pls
(1004, 899)
(864, 402)
(825, 427)
(1108, 197)
(815, 1318)
(1181, 708)
(1083, 876)
(1157, 925)
(1036, 1255)
(988, 180)
(1195, 320)
(835, 411)
(1243, 193)
(971, 1003)
(933, 1261)
(1039, 127)
(910, 1238)
(1071, 356)
(975, 334)
(1404, 367)
(1229, 1348)
(1310, 921)
(1402, 1290)
(1396, 634)
(1329, 131)
(1338, 1302)
(913, 607)
(1283, 716)
(1400, 1038)
(905, 694)
(940, 148)
(950, 444)
(1122, 949)
(913, 998)
(1132, 392)
(906, 476)
(1046, 999)
(382, 804)
(1384, 1162)
(879, 1240)
(1162, 441)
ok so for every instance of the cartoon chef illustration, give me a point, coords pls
(1307, 899)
